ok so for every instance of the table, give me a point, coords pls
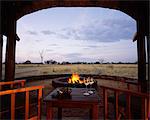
(78, 100)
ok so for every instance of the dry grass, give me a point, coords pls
(125, 70)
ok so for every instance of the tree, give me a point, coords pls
(65, 63)
(50, 62)
(101, 60)
(41, 55)
(27, 62)
(97, 62)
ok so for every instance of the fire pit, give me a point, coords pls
(73, 81)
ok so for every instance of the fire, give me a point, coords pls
(75, 79)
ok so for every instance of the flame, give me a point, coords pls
(75, 79)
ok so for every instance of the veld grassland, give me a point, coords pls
(125, 70)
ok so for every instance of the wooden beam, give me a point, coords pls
(135, 37)
(10, 49)
(148, 55)
(141, 57)
(6, 92)
(21, 82)
(135, 93)
(1, 55)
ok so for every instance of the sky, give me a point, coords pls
(76, 34)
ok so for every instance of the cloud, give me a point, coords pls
(86, 48)
(108, 30)
(58, 34)
(32, 32)
(37, 40)
(48, 32)
(49, 50)
(73, 55)
(62, 36)
(92, 46)
(78, 57)
(53, 45)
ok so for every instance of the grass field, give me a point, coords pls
(125, 70)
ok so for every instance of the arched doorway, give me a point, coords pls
(72, 35)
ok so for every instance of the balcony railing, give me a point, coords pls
(26, 90)
(145, 102)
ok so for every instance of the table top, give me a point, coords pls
(76, 96)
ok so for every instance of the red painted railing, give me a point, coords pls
(26, 90)
(12, 84)
(21, 89)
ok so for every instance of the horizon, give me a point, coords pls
(76, 34)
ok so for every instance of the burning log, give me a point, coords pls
(75, 79)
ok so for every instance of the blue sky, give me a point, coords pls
(76, 34)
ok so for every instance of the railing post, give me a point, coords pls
(39, 103)
(13, 106)
(22, 84)
(128, 106)
(105, 103)
(27, 106)
(144, 109)
(12, 85)
(116, 104)
(148, 107)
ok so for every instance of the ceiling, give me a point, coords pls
(138, 10)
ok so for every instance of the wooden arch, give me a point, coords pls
(138, 10)
(35, 6)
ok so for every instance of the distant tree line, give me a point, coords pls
(52, 62)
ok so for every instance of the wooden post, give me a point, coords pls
(95, 112)
(105, 103)
(27, 105)
(49, 111)
(10, 49)
(148, 55)
(141, 57)
(1, 55)
(128, 111)
(116, 104)
(39, 103)
(13, 106)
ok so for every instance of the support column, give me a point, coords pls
(10, 50)
(148, 55)
(1, 55)
(141, 57)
